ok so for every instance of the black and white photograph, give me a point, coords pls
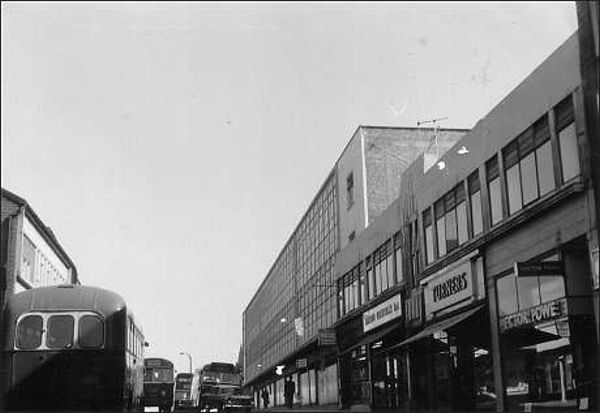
(300, 206)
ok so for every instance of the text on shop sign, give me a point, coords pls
(382, 313)
(450, 287)
(534, 315)
(534, 269)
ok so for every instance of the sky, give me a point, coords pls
(173, 147)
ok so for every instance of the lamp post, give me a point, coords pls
(183, 353)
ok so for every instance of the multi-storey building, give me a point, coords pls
(474, 289)
(290, 317)
(588, 17)
(30, 252)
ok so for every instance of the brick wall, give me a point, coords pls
(389, 152)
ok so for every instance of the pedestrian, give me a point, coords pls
(265, 397)
(289, 390)
(292, 391)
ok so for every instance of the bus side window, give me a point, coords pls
(130, 338)
(29, 332)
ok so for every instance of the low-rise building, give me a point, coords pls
(31, 255)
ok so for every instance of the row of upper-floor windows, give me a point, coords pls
(379, 272)
(528, 166)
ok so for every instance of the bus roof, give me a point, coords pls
(67, 297)
(157, 362)
(220, 367)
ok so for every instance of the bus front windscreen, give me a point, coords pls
(158, 374)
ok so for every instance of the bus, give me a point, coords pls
(220, 389)
(158, 384)
(70, 347)
(187, 388)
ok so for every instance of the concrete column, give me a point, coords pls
(496, 346)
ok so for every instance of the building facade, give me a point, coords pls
(287, 326)
(31, 255)
(588, 17)
(474, 289)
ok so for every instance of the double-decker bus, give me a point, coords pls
(158, 384)
(220, 388)
(187, 388)
(70, 347)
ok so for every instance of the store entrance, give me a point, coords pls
(389, 378)
(539, 367)
(452, 369)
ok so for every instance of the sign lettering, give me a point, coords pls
(381, 314)
(534, 315)
(451, 288)
(534, 269)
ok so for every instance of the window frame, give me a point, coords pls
(76, 315)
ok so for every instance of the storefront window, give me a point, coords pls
(507, 295)
(528, 291)
(551, 287)
(360, 386)
(537, 353)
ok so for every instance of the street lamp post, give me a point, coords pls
(183, 353)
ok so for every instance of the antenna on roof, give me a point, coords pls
(429, 159)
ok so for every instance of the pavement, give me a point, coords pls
(335, 408)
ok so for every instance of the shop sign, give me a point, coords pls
(534, 269)
(534, 315)
(299, 325)
(327, 337)
(301, 363)
(383, 313)
(450, 288)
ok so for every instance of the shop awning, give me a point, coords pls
(377, 335)
(439, 326)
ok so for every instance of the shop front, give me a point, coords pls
(449, 361)
(371, 374)
(547, 332)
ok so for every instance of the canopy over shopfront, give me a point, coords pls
(440, 326)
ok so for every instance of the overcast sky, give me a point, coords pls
(173, 147)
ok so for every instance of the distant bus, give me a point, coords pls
(220, 388)
(187, 388)
(158, 384)
(70, 347)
